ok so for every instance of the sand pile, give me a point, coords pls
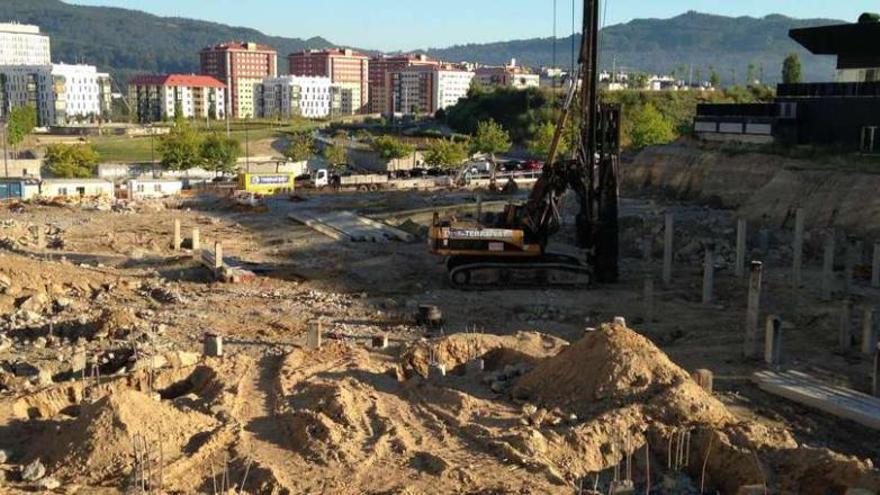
(496, 350)
(613, 367)
(98, 445)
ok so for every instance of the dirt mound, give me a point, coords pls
(98, 445)
(613, 367)
(496, 350)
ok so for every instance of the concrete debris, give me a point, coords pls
(33, 471)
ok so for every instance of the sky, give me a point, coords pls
(391, 25)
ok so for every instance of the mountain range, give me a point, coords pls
(125, 42)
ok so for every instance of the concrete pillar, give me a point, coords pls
(213, 345)
(741, 232)
(798, 249)
(773, 341)
(668, 237)
(851, 257)
(875, 389)
(708, 274)
(756, 275)
(705, 379)
(869, 331)
(218, 255)
(196, 242)
(647, 247)
(844, 337)
(313, 337)
(175, 241)
(828, 268)
(875, 271)
(649, 299)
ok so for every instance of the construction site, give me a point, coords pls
(681, 321)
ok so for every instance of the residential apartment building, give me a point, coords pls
(344, 67)
(23, 44)
(381, 68)
(288, 96)
(508, 76)
(62, 94)
(427, 89)
(158, 97)
(240, 66)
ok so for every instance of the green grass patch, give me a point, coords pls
(137, 149)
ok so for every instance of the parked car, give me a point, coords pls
(533, 165)
(512, 166)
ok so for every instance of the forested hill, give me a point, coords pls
(727, 44)
(127, 41)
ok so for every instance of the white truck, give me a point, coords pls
(361, 182)
(323, 178)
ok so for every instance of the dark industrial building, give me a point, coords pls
(844, 114)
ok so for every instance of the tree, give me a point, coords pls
(20, 123)
(714, 78)
(639, 80)
(491, 138)
(791, 69)
(650, 127)
(181, 148)
(446, 153)
(336, 156)
(539, 145)
(751, 74)
(71, 161)
(390, 148)
(300, 148)
(219, 153)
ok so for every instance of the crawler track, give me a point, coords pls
(548, 271)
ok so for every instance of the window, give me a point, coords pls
(62, 191)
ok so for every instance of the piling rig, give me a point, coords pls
(509, 249)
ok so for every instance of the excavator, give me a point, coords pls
(510, 249)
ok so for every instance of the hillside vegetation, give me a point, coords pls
(125, 42)
(726, 44)
(665, 115)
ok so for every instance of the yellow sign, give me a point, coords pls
(267, 183)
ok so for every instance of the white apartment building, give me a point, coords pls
(289, 96)
(22, 44)
(508, 76)
(427, 89)
(61, 93)
(347, 99)
(158, 97)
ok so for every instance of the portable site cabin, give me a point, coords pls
(76, 188)
(267, 183)
(19, 189)
(148, 188)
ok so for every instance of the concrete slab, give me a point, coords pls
(805, 389)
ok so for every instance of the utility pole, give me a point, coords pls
(247, 147)
(6, 159)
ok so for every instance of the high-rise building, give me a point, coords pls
(241, 66)
(22, 44)
(61, 94)
(381, 68)
(344, 67)
(157, 97)
(427, 89)
(289, 96)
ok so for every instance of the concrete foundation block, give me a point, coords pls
(380, 342)
(313, 337)
(705, 379)
(213, 345)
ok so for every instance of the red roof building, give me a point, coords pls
(161, 96)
